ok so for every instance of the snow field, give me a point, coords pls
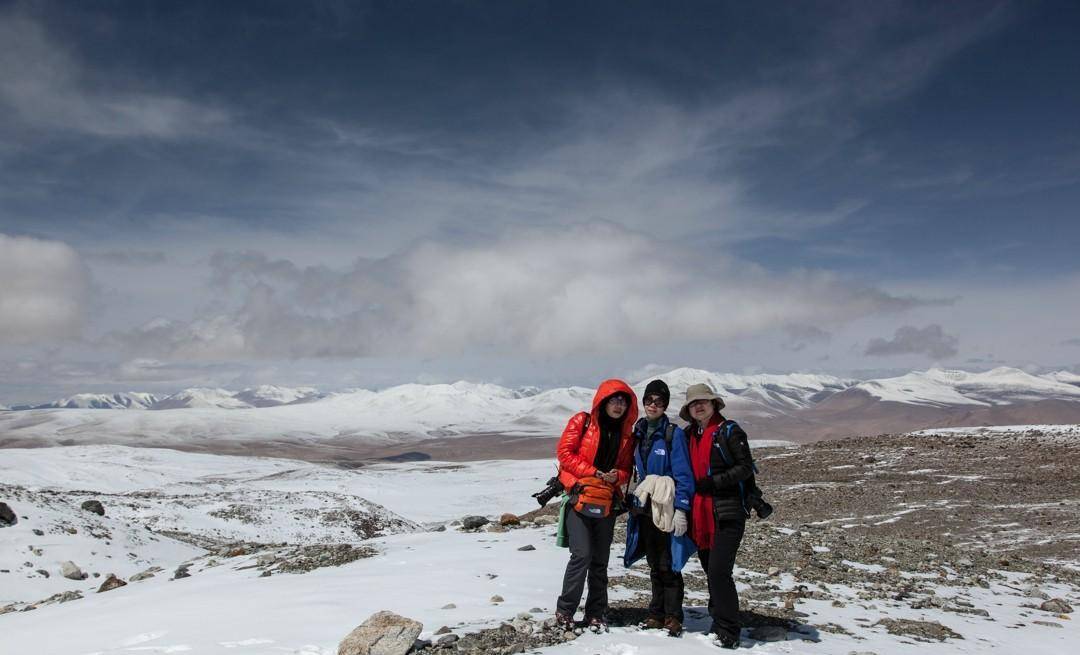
(229, 609)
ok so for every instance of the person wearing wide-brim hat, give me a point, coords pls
(721, 460)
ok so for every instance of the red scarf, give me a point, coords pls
(702, 523)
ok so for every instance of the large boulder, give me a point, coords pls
(94, 506)
(1057, 606)
(7, 516)
(383, 633)
(111, 582)
(474, 522)
(71, 571)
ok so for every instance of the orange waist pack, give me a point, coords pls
(593, 497)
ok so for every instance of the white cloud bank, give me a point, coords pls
(43, 287)
(587, 288)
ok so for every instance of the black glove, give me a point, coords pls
(704, 485)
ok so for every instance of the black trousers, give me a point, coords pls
(719, 562)
(667, 585)
(590, 549)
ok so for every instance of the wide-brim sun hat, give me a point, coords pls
(699, 392)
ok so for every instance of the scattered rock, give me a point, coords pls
(497, 598)
(111, 582)
(527, 547)
(182, 571)
(303, 559)
(1056, 606)
(1049, 624)
(265, 574)
(62, 597)
(383, 633)
(920, 630)
(38, 533)
(445, 630)
(449, 606)
(7, 516)
(42, 572)
(72, 572)
(447, 639)
(474, 522)
(509, 519)
(94, 506)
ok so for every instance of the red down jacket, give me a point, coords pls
(576, 451)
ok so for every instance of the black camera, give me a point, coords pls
(551, 489)
(755, 501)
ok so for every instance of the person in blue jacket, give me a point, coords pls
(660, 450)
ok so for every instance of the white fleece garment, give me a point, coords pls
(660, 491)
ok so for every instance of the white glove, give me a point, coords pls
(680, 522)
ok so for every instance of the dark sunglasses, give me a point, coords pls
(656, 401)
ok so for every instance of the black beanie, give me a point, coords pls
(659, 388)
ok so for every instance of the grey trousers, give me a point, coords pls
(590, 548)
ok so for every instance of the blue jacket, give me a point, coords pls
(653, 457)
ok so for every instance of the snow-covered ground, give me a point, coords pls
(226, 607)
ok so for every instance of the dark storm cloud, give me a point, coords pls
(401, 118)
(931, 341)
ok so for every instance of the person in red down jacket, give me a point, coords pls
(595, 445)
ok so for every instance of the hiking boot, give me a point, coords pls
(564, 621)
(673, 626)
(653, 623)
(726, 641)
(597, 625)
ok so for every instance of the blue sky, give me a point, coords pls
(358, 194)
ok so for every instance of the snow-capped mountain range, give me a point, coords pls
(262, 396)
(799, 407)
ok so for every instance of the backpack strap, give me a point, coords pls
(727, 426)
(669, 434)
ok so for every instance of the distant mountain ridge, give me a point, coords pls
(446, 417)
(756, 395)
(261, 396)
